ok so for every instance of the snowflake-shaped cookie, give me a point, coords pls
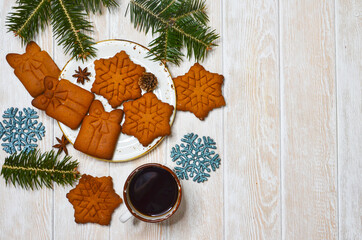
(94, 200)
(195, 158)
(199, 91)
(117, 79)
(147, 118)
(20, 131)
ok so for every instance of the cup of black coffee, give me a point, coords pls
(152, 193)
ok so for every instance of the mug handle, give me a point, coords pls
(125, 216)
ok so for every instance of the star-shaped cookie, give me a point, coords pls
(199, 91)
(117, 79)
(147, 118)
(94, 200)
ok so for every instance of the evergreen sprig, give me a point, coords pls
(178, 23)
(35, 170)
(68, 18)
(28, 18)
(96, 5)
(66, 29)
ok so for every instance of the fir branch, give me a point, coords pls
(185, 19)
(168, 46)
(68, 18)
(198, 41)
(96, 5)
(35, 170)
(169, 5)
(70, 24)
(28, 18)
(143, 18)
(195, 9)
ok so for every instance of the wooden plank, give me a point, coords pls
(27, 211)
(349, 114)
(200, 215)
(251, 125)
(308, 117)
(63, 210)
(121, 28)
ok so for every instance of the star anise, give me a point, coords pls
(81, 75)
(62, 145)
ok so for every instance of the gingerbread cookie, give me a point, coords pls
(94, 200)
(199, 91)
(32, 67)
(64, 101)
(99, 132)
(117, 79)
(147, 118)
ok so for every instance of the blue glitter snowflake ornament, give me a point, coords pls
(20, 131)
(195, 159)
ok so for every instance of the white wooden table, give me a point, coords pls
(290, 137)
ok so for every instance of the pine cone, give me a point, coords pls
(148, 82)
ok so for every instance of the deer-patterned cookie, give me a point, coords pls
(94, 200)
(64, 101)
(117, 79)
(147, 118)
(99, 132)
(32, 67)
(199, 91)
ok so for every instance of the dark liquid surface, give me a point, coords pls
(153, 191)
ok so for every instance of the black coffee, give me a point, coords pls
(153, 191)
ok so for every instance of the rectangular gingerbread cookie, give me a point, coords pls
(32, 67)
(64, 101)
(98, 135)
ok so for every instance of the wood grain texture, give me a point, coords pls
(293, 90)
(251, 128)
(201, 211)
(308, 120)
(63, 210)
(23, 213)
(349, 106)
(133, 228)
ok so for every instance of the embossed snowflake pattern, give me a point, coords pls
(147, 118)
(117, 79)
(94, 200)
(20, 130)
(195, 158)
(199, 91)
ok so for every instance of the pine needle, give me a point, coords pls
(96, 5)
(34, 170)
(179, 23)
(68, 18)
(28, 18)
(69, 25)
